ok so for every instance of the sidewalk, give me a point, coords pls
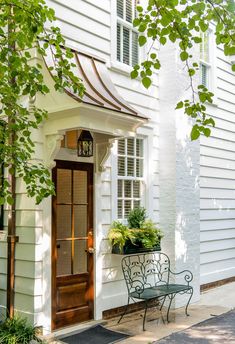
(213, 302)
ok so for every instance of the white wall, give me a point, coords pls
(217, 179)
(90, 26)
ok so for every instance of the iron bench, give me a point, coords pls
(148, 277)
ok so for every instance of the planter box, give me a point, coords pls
(129, 248)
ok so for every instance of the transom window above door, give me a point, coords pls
(130, 179)
(127, 35)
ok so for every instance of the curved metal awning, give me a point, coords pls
(100, 90)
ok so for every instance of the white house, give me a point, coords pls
(65, 272)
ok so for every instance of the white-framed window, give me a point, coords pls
(127, 50)
(205, 59)
(130, 175)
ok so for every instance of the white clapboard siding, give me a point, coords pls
(87, 26)
(217, 182)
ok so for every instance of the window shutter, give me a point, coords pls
(118, 42)
(139, 168)
(139, 148)
(204, 47)
(135, 49)
(121, 147)
(126, 46)
(127, 188)
(120, 8)
(129, 11)
(130, 147)
(204, 75)
(130, 167)
(120, 188)
(121, 166)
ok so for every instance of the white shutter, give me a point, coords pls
(139, 168)
(135, 49)
(129, 11)
(139, 148)
(121, 166)
(130, 147)
(120, 8)
(204, 75)
(126, 46)
(118, 42)
(121, 146)
(130, 167)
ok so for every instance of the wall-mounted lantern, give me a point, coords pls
(85, 144)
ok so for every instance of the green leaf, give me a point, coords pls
(207, 132)
(184, 55)
(195, 133)
(134, 74)
(142, 40)
(146, 81)
(179, 105)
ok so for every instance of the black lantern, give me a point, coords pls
(85, 144)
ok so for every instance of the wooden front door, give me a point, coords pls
(72, 244)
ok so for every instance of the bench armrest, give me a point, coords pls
(188, 276)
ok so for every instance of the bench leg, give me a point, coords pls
(163, 303)
(171, 297)
(145, 311)
(124, 310)
(186, 308)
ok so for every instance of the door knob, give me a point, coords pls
(90, 250)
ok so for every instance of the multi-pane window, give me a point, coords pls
(205, 65)
(130, 175)
(127, 36)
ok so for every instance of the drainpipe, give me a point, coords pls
(12, 239)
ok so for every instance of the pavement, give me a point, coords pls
(213, 302)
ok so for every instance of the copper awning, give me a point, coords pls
(100, 90)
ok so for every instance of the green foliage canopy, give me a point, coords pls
(181, 22)
(26, 26)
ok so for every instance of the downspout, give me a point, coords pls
(12, 239)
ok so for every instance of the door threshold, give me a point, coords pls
(73, 329)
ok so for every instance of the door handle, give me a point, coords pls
(90, 250)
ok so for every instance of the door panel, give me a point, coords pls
(72, 261)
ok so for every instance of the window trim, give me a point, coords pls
(211, 65)
(116, 177)
(114, 64)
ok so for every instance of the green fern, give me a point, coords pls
(17, 330)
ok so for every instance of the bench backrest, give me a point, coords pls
(145, 270)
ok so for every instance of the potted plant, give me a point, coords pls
(140, 235)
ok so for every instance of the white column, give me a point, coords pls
(179, 173)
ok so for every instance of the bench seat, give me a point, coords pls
(159, 291)
(148, 276)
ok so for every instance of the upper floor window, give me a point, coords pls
(205, 59)
(130, 182)
(127, 36)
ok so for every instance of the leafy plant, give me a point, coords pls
(26, 28)
(119, 234)
(148, 235)
(17, 330)
(136, 217)
(139, 232)
(181, 22)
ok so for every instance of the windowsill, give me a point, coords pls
(120, 67)
(214, 104)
